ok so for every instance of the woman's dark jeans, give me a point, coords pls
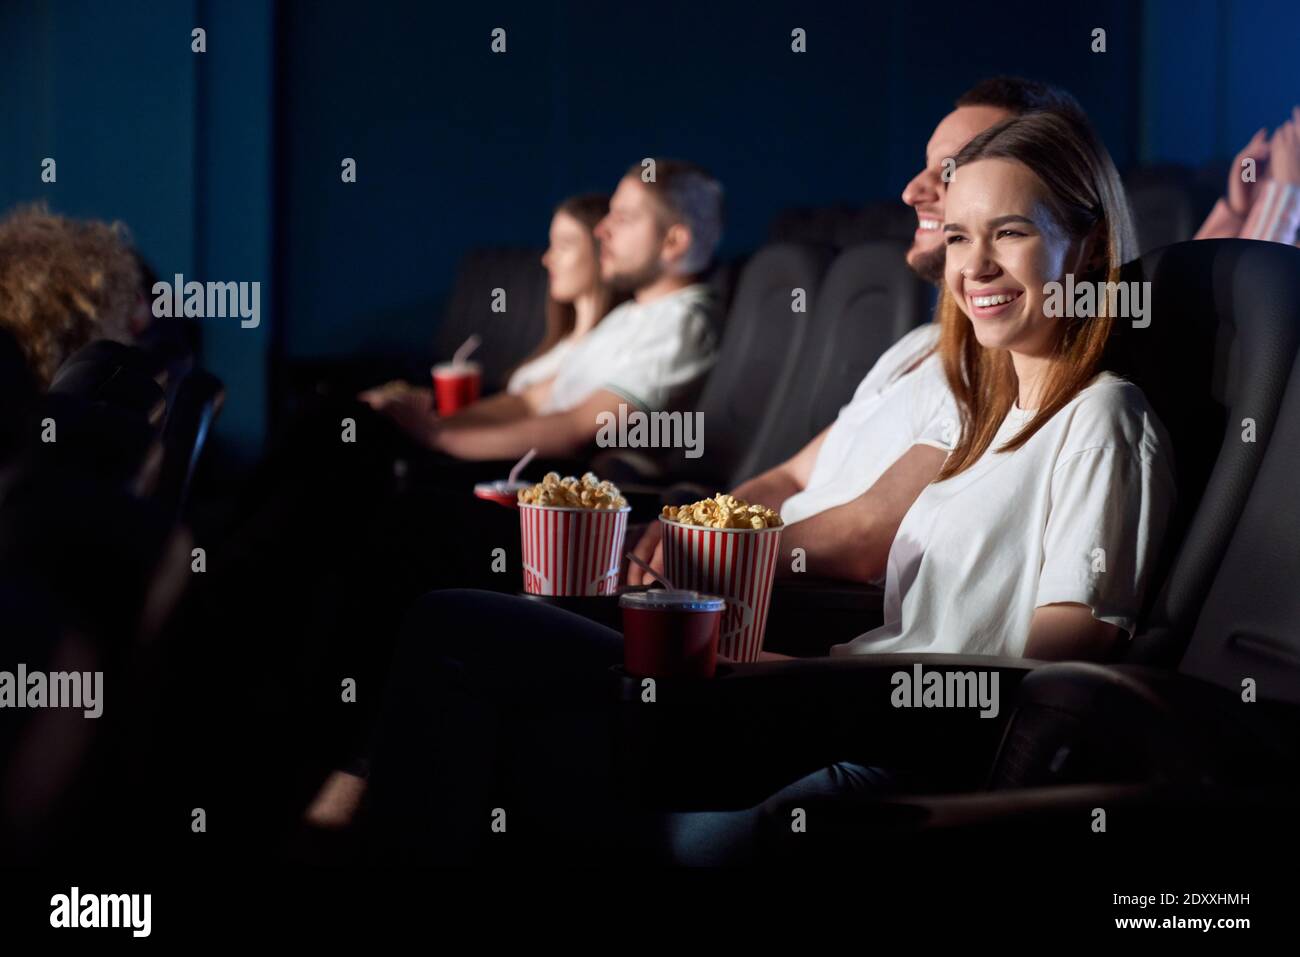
(498, 740)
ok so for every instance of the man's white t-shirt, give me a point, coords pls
(891, 411)
(655, 355)
(538, 370)
(1076, 514)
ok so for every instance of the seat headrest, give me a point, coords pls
(1214, 362)
(110, 372)
(94, 439)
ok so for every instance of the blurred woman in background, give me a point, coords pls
(577, 300)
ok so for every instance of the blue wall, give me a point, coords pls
(174, 144)
(107, 90)
(226, 165)
(457, 146)
(1214, 72)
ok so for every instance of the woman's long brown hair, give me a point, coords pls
(1086, 197)
(561, 317)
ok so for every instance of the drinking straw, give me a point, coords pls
(659, 576)
(466, 347)
(519, 466)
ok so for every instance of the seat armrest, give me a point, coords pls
(734, 740)
(809, 615)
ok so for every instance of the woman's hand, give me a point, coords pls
(1241, 195)
(415, 416)
(651, 551)
(1284, 151)
(381, 397)
(411, 408)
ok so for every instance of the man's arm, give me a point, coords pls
(554, 434)
(782, 481)
(852, 541)
(1069, 632)
(771, 488)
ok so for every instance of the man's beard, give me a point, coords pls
(632, 280)
(929, 266)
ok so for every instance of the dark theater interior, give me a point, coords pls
(823, 443)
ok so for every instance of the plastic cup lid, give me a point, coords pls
(660, 599)
(452, 368)
(503, 485)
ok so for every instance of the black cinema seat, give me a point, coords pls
(104, 411)
(763, 335)
(197, 403)
(870, 299)
(1169, 204)
(844, 224)
(506, 337)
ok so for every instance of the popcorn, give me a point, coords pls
(569, 492)
(723, 511)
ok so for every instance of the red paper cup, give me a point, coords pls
(737, 563)
(502, 491)
(456, 386)
(670, 634)
(572, 551)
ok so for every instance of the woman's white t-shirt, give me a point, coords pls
(1076, 514)
(537, 371)
(891, 411)
(653, 354)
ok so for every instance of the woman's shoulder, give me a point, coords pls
(901, 359)
(1112, 412)
(916, 343)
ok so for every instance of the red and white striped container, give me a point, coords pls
(572, 551)
(737, 563)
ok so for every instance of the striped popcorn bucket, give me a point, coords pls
(572, 551)
(737, 563)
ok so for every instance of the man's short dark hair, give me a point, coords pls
(690, 195)
(1020, 96)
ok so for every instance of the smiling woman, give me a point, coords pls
(1051, 509)
(1035, 201)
